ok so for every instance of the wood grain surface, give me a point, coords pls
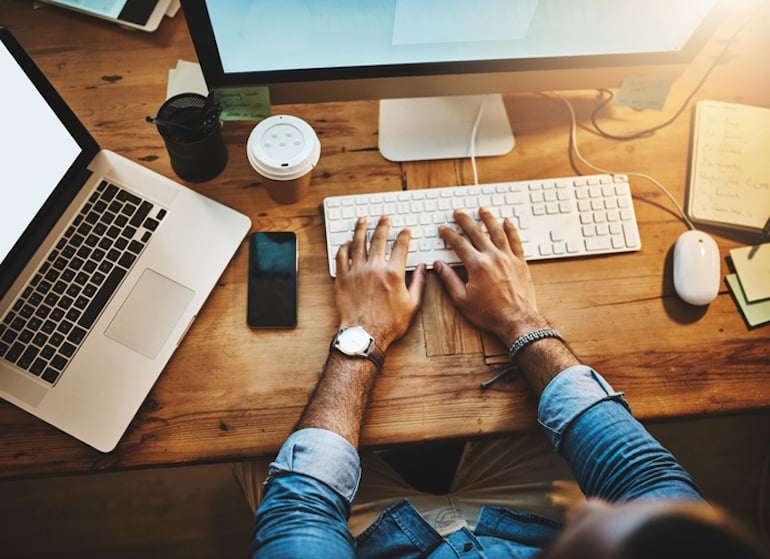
(231, 393)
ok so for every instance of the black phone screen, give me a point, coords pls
(272, 286)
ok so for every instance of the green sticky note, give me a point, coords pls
(243, 103)
(755, 313)
(644, 92)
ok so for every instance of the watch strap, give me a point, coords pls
(375, 354)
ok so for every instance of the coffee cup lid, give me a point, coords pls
(283, 147)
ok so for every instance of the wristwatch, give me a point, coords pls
(357, 342)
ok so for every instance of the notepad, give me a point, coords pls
(730, 166)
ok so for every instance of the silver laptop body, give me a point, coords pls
(52, 174)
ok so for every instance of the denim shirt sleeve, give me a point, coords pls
(611, 455)
(569, 394)
(322, 455)
(307, 498)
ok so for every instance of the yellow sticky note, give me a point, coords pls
(752, 265)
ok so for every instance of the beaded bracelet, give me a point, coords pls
(533, 336)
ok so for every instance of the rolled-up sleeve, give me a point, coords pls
(307, 498)
(568, 395)
(611, 455)
(322, 455)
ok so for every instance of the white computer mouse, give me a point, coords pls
(696, 268)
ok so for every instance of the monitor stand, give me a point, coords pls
(424, 128)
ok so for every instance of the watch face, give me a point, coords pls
(353, 341)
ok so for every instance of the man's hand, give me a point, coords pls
(371, 292)
(371, 289)
(499, 295)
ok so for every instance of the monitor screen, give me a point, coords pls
(327, 50)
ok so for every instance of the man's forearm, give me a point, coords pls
(539, 361)
(542, 360)
(313, 480)
(341, 397)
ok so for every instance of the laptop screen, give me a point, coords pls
(36, 150)
(43, 149)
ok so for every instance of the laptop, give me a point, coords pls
(144, 15)
(104, 264)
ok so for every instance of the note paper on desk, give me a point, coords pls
(752, 264)
(730, 167)
(755, 313)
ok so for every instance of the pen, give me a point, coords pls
(498, 376)
(764, 236)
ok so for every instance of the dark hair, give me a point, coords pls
(676, 535)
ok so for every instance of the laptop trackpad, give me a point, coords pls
(150, 313)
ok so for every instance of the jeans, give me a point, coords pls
(310, 489)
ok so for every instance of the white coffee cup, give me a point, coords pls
(284, 150)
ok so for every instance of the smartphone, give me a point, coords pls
(272, 286)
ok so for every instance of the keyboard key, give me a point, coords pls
(28, 357)
(143, 211)
(50, 375)
(14, 352)
(101, 298)
(598, 243)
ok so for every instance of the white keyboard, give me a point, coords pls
(556, 218)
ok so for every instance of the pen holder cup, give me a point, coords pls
(189, 125)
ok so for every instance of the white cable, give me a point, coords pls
(474, 132)
(573, 137)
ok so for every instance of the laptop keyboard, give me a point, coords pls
(51, 318)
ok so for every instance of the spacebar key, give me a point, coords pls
(102, 296)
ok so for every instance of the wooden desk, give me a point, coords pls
(231, 393)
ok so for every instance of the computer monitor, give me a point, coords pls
(431, 62)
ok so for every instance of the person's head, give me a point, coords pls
(653, 530)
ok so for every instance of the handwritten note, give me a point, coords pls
(644, 92)
(730, 166)
(244, 103)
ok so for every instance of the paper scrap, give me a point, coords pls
(752, 265)
(187, 77)
(173, 8)
(755, 313)
(644, 92)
